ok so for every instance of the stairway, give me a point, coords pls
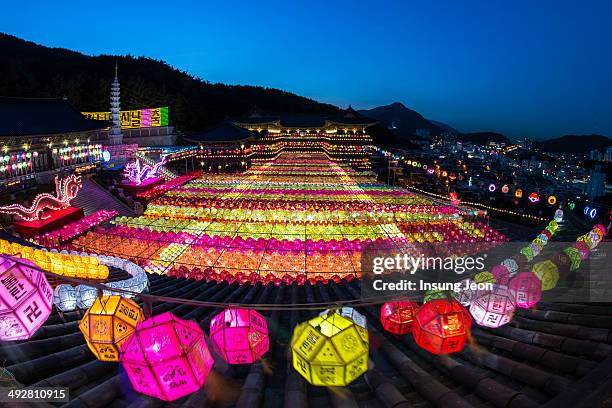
(93, 197)
(163, 171)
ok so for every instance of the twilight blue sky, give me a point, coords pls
(524, 68)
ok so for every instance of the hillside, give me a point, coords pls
(575, 144)
(31, 70)
(403, 121)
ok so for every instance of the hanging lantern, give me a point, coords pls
(85, 296)
(464, 296)
(527, 253)
(398, 317)
(166, 357)
(526, 288)
(505, 189)
(493, 308)
(501, 274)
(534, 197)
(25, 298)
(484, 277)
(64, 297)
(518, 193)
(441, 326)
(558, 215)
(350, 313)
(552, 200)
(240, 336)
(330, 350)
(435, 294)
(548, 273)
(574, 256)
(511, 265)
(108, 323)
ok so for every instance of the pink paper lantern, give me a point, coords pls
(526, 288)
(240, 336)
(25, 298)
(493, 308)
(501, 274)
(166, 357)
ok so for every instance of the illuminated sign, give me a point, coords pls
(135, 119)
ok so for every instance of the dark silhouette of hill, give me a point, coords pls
(482, 138)
(444, 126)
(31, 70)
(403, 121)
(575, 144)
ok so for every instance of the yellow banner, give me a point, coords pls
(134, 119)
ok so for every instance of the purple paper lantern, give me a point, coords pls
(25, 298)
(526, 288)
(493, 308)
(166, 357)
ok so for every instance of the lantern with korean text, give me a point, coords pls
(25, 298)
(166, 357)
(398, 317)
(108, 323)
(240, 336)
(330, 350)
(442, 326)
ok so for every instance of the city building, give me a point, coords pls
(597, 183)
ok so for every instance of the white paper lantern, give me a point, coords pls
(85, 296)
(350, 313)
(64, 297)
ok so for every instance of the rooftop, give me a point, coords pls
(348, 117)
(42, 116)
(224, 132)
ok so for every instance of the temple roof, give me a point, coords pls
(349, 117)
(224, 132)
(42, 116)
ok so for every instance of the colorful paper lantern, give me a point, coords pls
(484, 277)
(85, 296)
(240, 336)
(330, 350)
(501, 274)
(493, 308)
(25, 298)
(64, 297)
(511, 265)
(574, 256)
(442, 326)
(108, 323)
(526, 288)
(166, 357)
(548, 273)
(435, 294)
(398, 317)
(464, 296)
(558, 215)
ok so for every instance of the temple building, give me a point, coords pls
(342, 137)
(42, 136)
(225, 146)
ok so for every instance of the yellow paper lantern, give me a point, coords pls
(330, 350)
(548, 273)
(108, 323)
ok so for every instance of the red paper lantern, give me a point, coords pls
(398, 317)
(442, 326)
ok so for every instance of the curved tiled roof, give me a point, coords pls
(224, 132)
(42, 116)
(555, 355)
